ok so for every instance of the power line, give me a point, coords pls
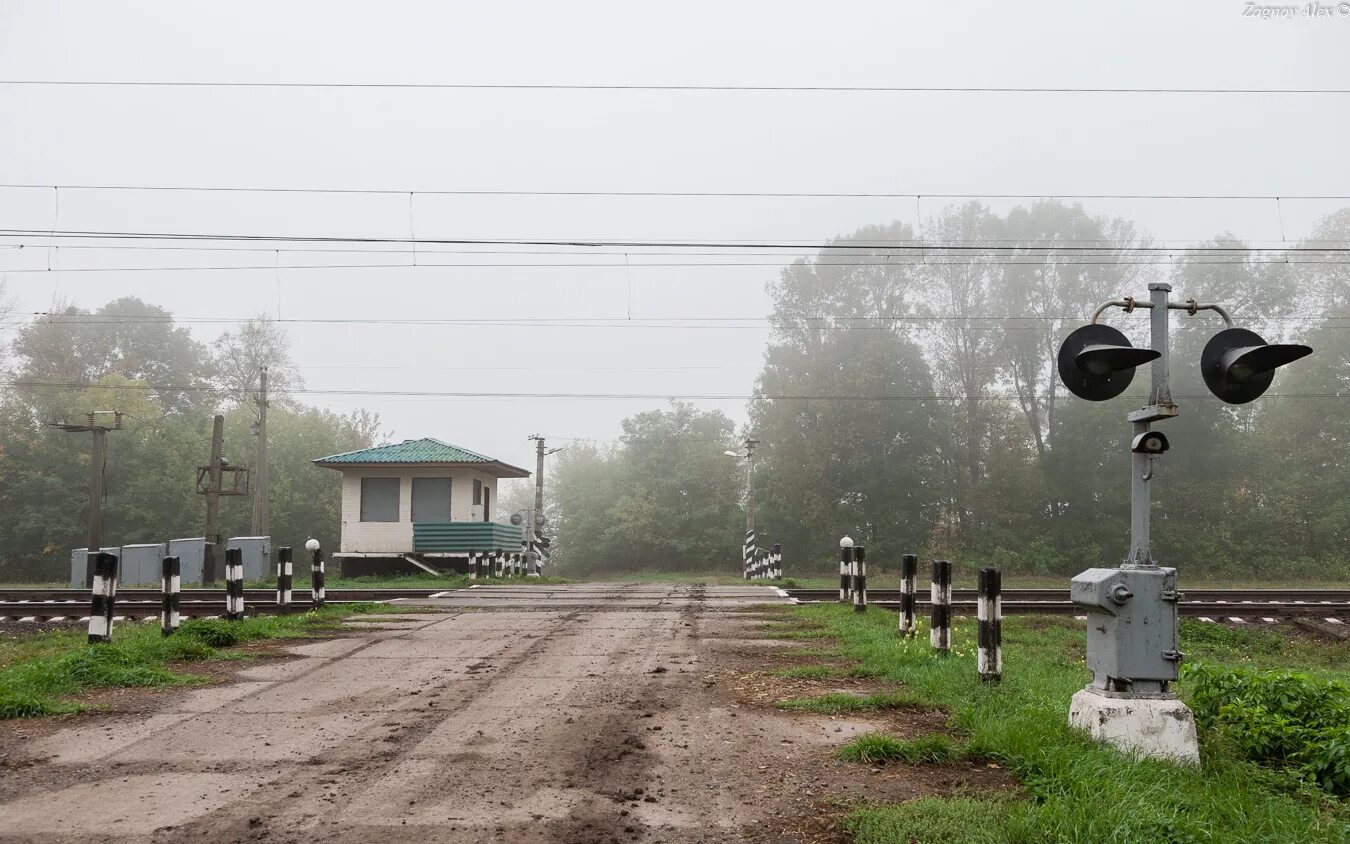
(598, 396)
(905, 246)
(59, 318)
(679, 194)
(424, 265)
(675, 88)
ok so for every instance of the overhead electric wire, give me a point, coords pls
(580, 243)
(599, 396)
(673, 87)
(677, 194)
(653, 265)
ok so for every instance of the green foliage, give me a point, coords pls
(1279, 717)
(835, 703)
(119, 357)
(879, 747)
(932, 820)
(1075, 790)
(38, 677)
(661, 500)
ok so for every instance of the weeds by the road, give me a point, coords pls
(836, 703)
(879, 747)
(1073, 790)
(39, 674)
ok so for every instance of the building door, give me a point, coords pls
(487, 504)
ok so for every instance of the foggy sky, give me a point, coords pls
(420, 140)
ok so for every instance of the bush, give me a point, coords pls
(1280, 717)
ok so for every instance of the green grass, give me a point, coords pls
(835, 703)
(878, 747)
(40, 674)
(1074, 790)
(934, 820)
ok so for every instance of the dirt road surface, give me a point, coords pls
(590, 713)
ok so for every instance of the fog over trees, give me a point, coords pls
(977, 453)
(908, 397)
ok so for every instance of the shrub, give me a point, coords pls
(1280, 717)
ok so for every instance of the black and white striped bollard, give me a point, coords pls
(859, 578)
(776, 567)
(316, 587)
(941, 633)
(989, 659)
(473, 565)
(845, 567)
(104, 595)
(234, 584)
(285, 569)
(909, 571)
(748, 553)
(172, 584)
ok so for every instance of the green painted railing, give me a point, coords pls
(455, 537)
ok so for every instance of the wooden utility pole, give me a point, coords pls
(262, 516)
(98, 459)
(213, 475)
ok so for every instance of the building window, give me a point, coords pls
(431, 499)
(477, 492)
(379, 499)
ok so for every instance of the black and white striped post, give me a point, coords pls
(909, 572)
(316, 588)
(845, 567)
(473, 564)
(989, 611)
(172, 584)
(285, 570)
(104, 595)
(748, 554)
(941, 623)
(859, 578)
(234, 584)
(776, 562)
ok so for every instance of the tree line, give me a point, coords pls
(909, 398)
(130, 356)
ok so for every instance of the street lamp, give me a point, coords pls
(751, 541)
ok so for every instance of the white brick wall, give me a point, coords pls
(397, 537)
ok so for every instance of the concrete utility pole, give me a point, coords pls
(533, 518)
(262, 515)
(213, 474)
(98, 458)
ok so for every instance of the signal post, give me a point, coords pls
(1132, 610)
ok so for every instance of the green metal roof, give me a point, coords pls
(426, 450)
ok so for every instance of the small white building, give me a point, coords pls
(419, 501)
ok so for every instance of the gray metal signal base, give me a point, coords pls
(1131, 610)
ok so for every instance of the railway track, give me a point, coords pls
(73, 604)
(1217, 604)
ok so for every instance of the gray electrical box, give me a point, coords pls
(142, 565)
(257, 554)
(79, 566)
(1132, 627)
(191, 554)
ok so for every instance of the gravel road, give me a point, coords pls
(582, 714)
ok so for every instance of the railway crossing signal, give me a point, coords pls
(1132, 609)
(1097, 362)
(1238, 365)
